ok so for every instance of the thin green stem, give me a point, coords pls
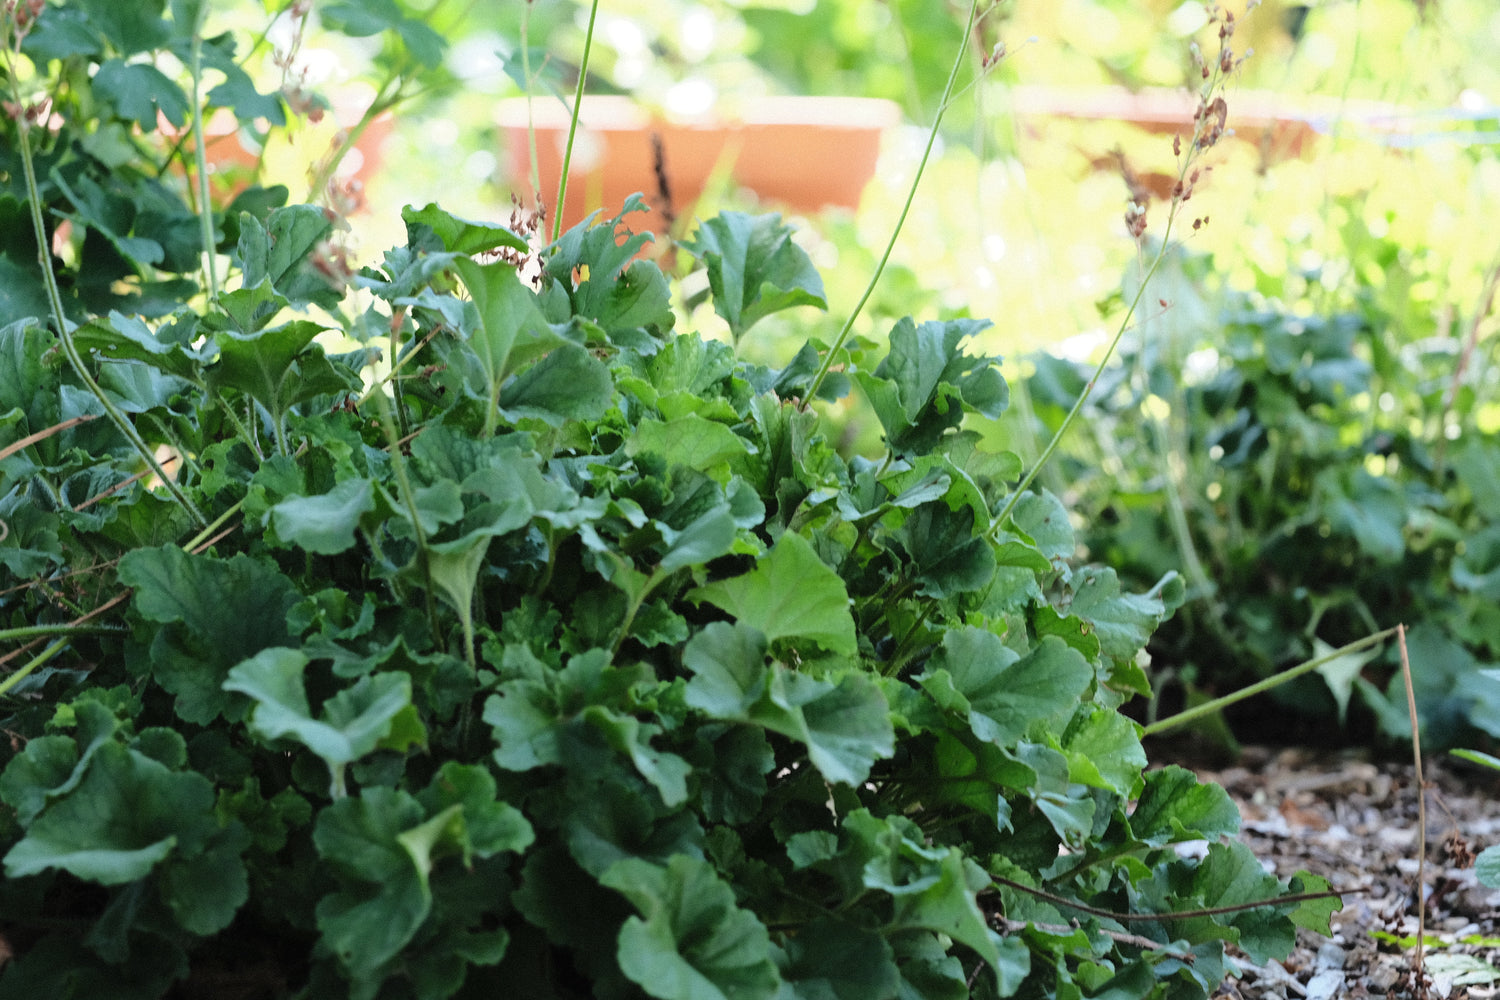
(240, 427)
(536, 170)
(385, 99)
(583, 73)
(209, 529)
(200, 155)
(1086, 394)
(1195, 148)
(911, 196)
(35, 631)
(54, 296)
(1260, 687)
(408, 498)
(397, 392)
(37, 661)
(904, 651)
(652, 582)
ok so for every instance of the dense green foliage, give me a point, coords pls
(496, 635)
(1320, 472)
(611, 670)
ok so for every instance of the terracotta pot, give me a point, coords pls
(1280, 127)
(806, 153)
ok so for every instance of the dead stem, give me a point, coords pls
(1420, 978)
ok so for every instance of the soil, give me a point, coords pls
(1353, 819)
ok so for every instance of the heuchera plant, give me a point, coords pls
(536, 647)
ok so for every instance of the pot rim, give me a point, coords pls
(607, 113)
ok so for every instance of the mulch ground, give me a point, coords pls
(1352, 818)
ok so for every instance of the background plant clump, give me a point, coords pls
(460, 623)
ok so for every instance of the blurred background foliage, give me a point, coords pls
(1020, 218)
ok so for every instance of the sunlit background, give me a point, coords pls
(1020, 216)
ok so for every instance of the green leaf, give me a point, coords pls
(22, 293)
(127, 338)
(1174, 807)
(35, 773)
(754, 268)
(1475, 757)
(567, 384)
(324, 524)
(928, 972)
(1314, 914)
(690, 441)
(1372, 510)
(279, 367)
(639, 298)
(1478, 468)
(139, 92)
(1104, 750)
(23, 371)
(140, 388)
(690, 941)
(791, 594)
(1001, 694)
(846, 728)
(1487, 867)
(1122, 622)
(507, 311)
(931, 888)
(830, 958)
(370, 17)
(708, 536)
(129, 28)
(491, 826)
(454, 567)
(1043, 520)
(355, 720)
(278, 252)
(1340, 672)
(237, 92)
(945, 904)
(1231, 875)
(128, 815)
(945, 551)
(64, 32)
(593, 244)
(368, 925)
(692, 365)
(667, 772)
(923, 387)
(229, 609)
(460, 235)
(206, 891)
(524, 716)
(250, 308)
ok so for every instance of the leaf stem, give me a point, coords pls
(1195, 148)
(577, 109)
(209, 529)
(1260, 687)
(54, 295)
(536, 172)
(1416, 756)
(408, 498)
(636, 603)
(911, 196)
(35, 662)
(33, 631)
(200, 156)
(1208, 911)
